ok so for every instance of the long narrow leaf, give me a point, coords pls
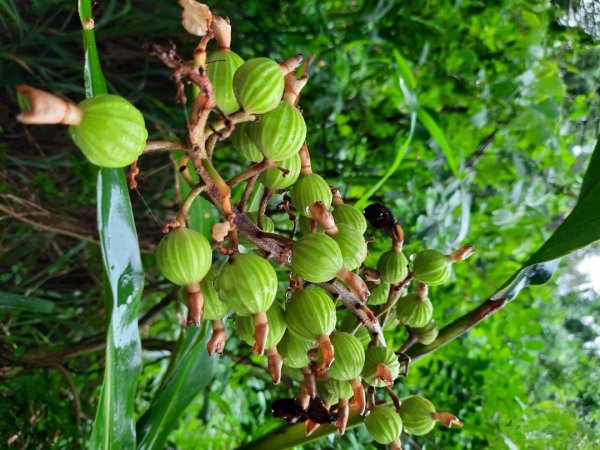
(114, 426)
(14, 302)
(438, 134)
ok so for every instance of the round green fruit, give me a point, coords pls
(294, 351)
(310, 189)
(258, 85)
(427, 334)
(384, 424)
(281, 132)
(245, 326)
(310, 313)
(349, 215)
(183, 256)
(352, 244)
(316, 257)
(431, 267)
(220, 68)
(380, 355)
(349, 323)
(331, 391)
(247, 283)
(214, 309)
(349, 356)
(243, 141)
(112, 132)
(379, 294)
(267, 226)
(414, 311)
(392, 267)
(417, 415)
(274, 178)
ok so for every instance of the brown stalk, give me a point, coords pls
(216, 344)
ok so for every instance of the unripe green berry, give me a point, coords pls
(352, 245)
(427, 334)
(349, 356)
(247, 283)
(349, 323)
(417, 415)
(431, 267)
(183, 256)
(112, 132)
(380, 355)
(392, 267)
(294, 350)
(220, 68)
(274, 178)
(214, 308)
(267, 226)
(310, 189)
(316, 258)
(310, 313)
(349, 215)
(243, 142)
(379, 295)
(258, 85)
(245, 326)
(331, 391)
(413, 311)
(281, 132)
(384, 424)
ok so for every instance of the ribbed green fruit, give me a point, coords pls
(258, 85)
(379, 355)
(267, 224)
(331, 391)
(384, 424)
(413, 311)
(214, 308)
(243, 141)
(427, 334)
(112, 132)
(392, 267)
(417, 415)
(310, 313)
(274, 179)
(310, 189)
(316, 258)
(349, 356)
(379, 294)
(245, 326)
(305, 223)
(349, 215)
(431, 267)
(348, 324)
(220, 68)
(183, 256)
(352, 244)
(247, 283)
(281, 132)
(294, 350)
(293, 373)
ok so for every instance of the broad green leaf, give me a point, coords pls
(114, 425)
(190, 374)
(438, 134)
(15, 302)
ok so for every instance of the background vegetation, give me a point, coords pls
(503, 96)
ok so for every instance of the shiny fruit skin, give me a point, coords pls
(349, 356)
(310, 313)
(258, 85)
(413, 311)
(244, 326)
(214, 308)
(310, 189)
(316, 258)
(384, 424)
(431, 267)
(280, 132)
(352, 245)
(274, 179)
(379, 355)
(392, 267)
(427, 334)
(220, 68)
(349, 215)
(417, 415)
(243, 142)
(294, 350)
(379, 295)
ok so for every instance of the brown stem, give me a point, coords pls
(359, 400)
(216, 344)
(293, 86)
(227, 123)
(309, 381)
(396, 445)
(447, 419)
(254, 170)
(184, 171)
(319, 214)
(461, 254)
(382, 372)
(422, 290)
(47, 109)
(343, 411)
(327, 352)
(410, 341)
(337, 199)
(222, 29)
(261, 332)
(187, 203)
(394, 397)
(133, 172)
(247, 192)
(195, 303)
(290, 64)
(164, 146)
(275, 362)
(371, 397)
(393, 296)
(262, 207)
(305, 166)
(355, 283)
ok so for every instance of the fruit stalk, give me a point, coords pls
(46, 109)
(447, 419)
(216, 344)
(261, 332)
(359, 400)
(355, 283)
(327, 352)
(343, 412)
(275, 362)
(195, 303)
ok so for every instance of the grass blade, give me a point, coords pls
(114, 426)
(14, 302)
(438, 134)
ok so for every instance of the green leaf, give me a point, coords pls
(114, 425)
(191, 373)
(15, 302)
(438, 134)
(404, 71)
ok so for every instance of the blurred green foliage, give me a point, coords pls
(512, 94)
